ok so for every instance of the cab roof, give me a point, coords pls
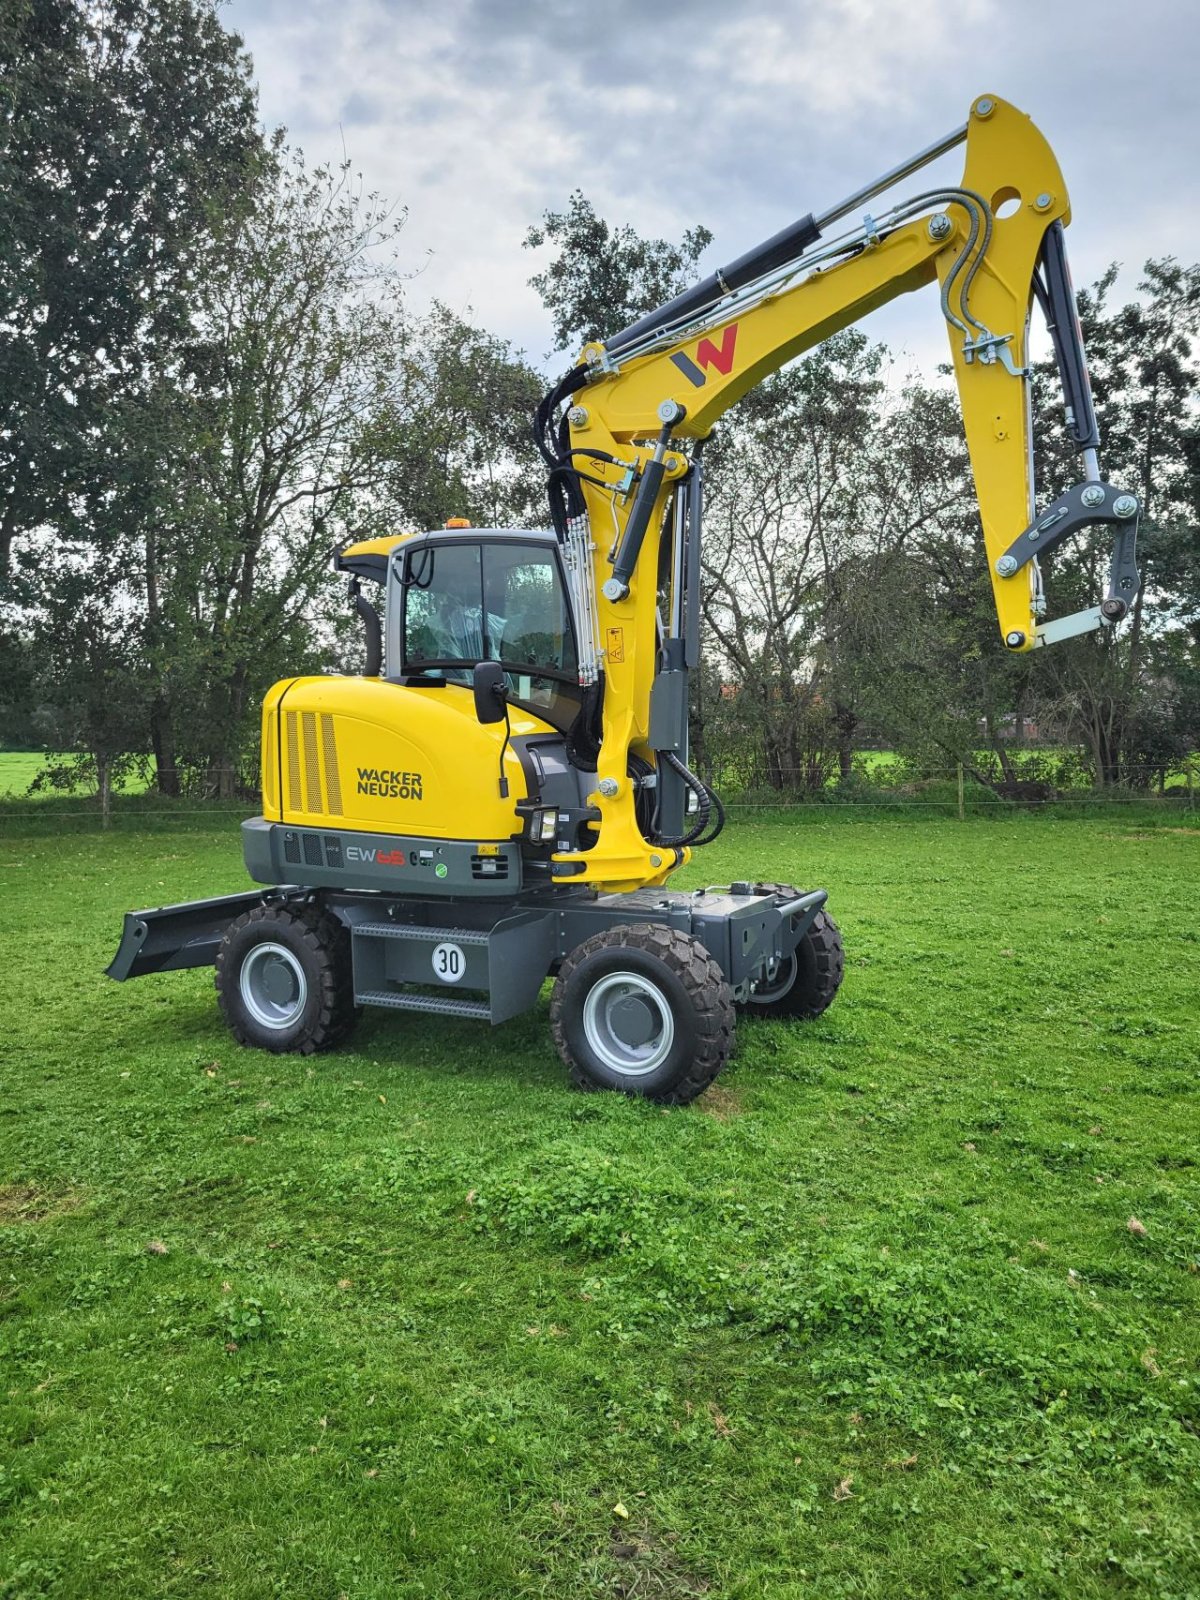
(368, 558)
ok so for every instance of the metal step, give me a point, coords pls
(449, 1007)
(412, 930)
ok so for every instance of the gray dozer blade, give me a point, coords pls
(170, 938)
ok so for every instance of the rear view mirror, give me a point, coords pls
(490, 691)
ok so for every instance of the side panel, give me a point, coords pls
(365, 753)
(393, 863)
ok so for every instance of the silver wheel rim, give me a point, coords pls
(766, 994)
(628, 1024)
(273, 987)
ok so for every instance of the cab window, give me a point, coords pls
(466, 603)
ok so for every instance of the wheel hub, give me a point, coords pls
(273, 986)
(632, 1020)
(776, 986)
(627, 1021)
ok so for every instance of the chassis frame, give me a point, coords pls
(506, 948)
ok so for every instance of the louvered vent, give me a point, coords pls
(312, 766)
(270, 764)
(489, 866)
(333, 787)
(313, 785)
(295, 798)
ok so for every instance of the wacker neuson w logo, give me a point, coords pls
(708, 355)
(389, 784)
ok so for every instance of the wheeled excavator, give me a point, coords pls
(503, 794)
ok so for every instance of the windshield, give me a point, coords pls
(503, 602)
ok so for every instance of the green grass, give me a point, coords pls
(18, 769)
(413, 1318)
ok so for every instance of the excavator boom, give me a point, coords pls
(622, 429)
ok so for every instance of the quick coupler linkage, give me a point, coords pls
(1085, 505)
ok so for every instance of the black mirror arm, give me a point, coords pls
(491, 703)
(504, 746)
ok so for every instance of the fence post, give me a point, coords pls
(961, 816)
(1191, 789)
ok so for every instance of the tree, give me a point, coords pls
(461, 442)
(276, 449)
(1125, 692)
(89, 677)
(603, 278)
(823, 486)
(121, 127)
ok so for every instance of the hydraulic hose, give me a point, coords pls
(698, 833)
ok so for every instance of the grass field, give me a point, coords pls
(18, 769)
(872, 1318)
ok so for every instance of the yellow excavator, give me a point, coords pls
(503, 794)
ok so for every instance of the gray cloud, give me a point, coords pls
(480, 114)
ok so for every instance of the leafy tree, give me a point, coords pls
(831, 494)
(460, 439)
(122, 126)
(89, 677)
(276, 450)
(1129, 694)
(602, 278)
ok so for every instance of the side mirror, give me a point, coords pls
(490, 691)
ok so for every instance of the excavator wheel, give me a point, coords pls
(284, 979)
(643, 1009)
(805, 985)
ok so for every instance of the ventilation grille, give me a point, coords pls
(313, 786)
(270, 764)
(317, 850)
(489, 866)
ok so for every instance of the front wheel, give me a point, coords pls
(807, 981)
(643, 1009)
(284, 979)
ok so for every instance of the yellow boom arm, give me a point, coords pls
(632, 405)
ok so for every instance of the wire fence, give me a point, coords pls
(880, 784)
(889, 783)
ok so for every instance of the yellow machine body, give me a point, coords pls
(365, 754)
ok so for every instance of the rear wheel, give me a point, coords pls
(643, 1009)
(284, 979)
(807, 981)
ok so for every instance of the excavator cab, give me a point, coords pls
(458, 598)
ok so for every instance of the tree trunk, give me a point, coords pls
(775, 772)
(847, 724)
(8, 532)
(104, 787)
(1108, 754)
(162, 740)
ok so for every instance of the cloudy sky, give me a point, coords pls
(478, 115)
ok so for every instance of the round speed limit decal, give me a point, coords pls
(449, 963)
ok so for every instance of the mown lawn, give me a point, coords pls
(872, 1318)
(19, 768)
